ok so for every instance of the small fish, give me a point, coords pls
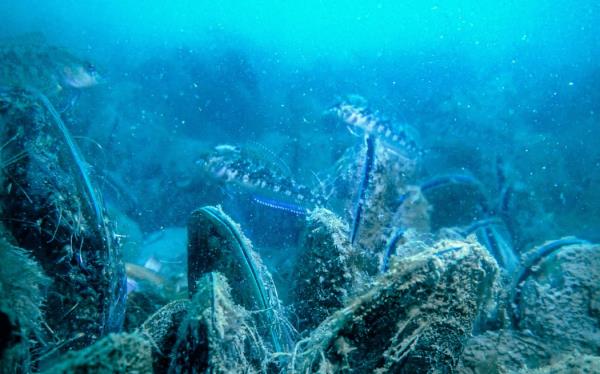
(30, 62)
(368, 163)
(393, 136)
(79, 75)
(137, 274)
(260, 179)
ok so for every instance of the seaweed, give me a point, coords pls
(217, 336)
(22, 286)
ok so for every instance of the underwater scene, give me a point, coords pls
(299, 186)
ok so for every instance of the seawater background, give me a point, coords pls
(478, 80)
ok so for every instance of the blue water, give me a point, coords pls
(502, 100)
(476, 80)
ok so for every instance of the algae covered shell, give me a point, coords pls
(414, 319)
(52, 210)
(217, 244)
(323, 275)
(559, 299)
(217, 335)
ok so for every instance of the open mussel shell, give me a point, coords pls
(554, 297)
(51, 209)
(217, 244)
(556, 294)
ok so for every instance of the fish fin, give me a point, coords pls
(153, 264)
(265, 153)
(280, 205)
(352, 132)
(70, 102)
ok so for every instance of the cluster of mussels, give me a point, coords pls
(376, 293)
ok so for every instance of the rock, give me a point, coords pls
(504, 351)
(553, 316)
(559, 299)
(575, 364)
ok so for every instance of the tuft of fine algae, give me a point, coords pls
(160, 329)
(21, 297)
(115, 353)
(415, 318)
(217, 335)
